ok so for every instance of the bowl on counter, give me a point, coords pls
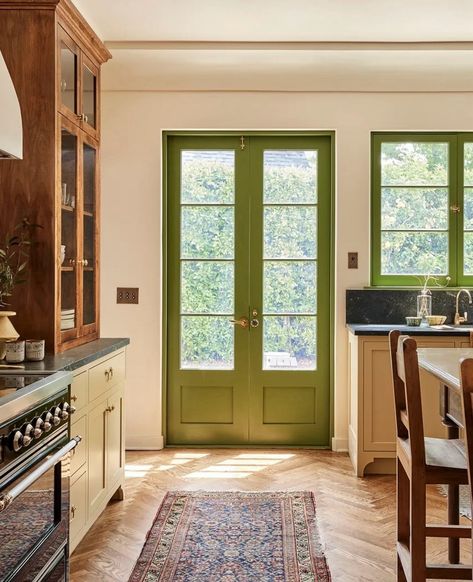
(435, 319)
(413, 321)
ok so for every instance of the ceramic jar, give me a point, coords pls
(34, 350)
(15, 351)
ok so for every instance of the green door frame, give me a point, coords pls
(164, 221)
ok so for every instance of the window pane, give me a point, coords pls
(414, 208)
(207, 177)
(468, 165)
(468, 209)
(206, 287)
(468, 254)
(289, 287)
(206, 343)
(290, 232)
(414, 253)
(289, 342)
(414, 164)
(207, 232)
(290, 177)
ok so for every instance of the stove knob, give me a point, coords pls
(55, 412)
(15, 440)
(28, 433)
(64, 407)
(38, 424)
(47, 418)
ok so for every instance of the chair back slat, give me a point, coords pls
(407, 395)
(398, 385)
(466, 375)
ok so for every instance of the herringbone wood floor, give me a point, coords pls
(356, 516)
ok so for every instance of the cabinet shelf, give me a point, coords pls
(67, 208)
(88, 213)
(67, 269)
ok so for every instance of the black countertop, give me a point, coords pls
(78, 357)
(384, 329)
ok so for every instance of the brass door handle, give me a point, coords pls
(455, 208)
(242, 322)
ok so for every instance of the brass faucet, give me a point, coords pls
(458, 318)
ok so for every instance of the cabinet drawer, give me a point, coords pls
(78, 511)
(79, 454)
(106, 375)
(79, 390)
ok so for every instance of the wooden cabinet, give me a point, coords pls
(371, 437)
(98, 463)
(54, 58)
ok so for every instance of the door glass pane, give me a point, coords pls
(207, 232)
(89, 230)
(411, 253)
(207, 287)
(414, 210)
(68, 78)
(207, 177)
(206, 343)
(289, 342)
(68, 252)
(289, 283)
(289, 287)
(89, 95)
(207, 259)
(290, 232)
(290, 177)
(468, 165)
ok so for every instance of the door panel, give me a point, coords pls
(207, 356)
(289, 382)
(249, 290)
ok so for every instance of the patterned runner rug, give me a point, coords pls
(233, 537)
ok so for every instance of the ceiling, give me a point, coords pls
(285, 45)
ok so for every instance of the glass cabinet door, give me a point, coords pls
(68, 75)
(89, 230)
(89, 95)
(68, 250)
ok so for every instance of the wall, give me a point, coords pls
(131, 174)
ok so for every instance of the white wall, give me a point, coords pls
(131, 207)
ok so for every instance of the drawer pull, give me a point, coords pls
(111, 372)
(73, 398)
(73, 511)
(110, 408)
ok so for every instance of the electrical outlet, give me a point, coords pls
(127, 294)
(353, 260)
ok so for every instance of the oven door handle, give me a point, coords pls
(14, 492)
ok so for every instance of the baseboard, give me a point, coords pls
(144, 443)
(340, 445)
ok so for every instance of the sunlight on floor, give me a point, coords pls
(134, 471)
(240, 466)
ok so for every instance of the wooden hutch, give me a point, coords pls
(54, 59)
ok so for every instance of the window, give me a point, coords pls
(422, 208)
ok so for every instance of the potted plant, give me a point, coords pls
(14, 258)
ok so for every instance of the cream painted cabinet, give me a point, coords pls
(97, 467)
(371, 437)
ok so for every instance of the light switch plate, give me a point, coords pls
(353, 260)
(127, 294)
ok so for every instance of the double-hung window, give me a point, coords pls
(422, 208)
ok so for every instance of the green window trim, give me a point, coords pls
(456, 144)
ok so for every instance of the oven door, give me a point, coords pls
(34, 512)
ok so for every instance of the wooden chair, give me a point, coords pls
(466, 376)
(420, 461)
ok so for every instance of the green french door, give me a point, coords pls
(248, 290)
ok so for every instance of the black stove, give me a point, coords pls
(35, 447)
